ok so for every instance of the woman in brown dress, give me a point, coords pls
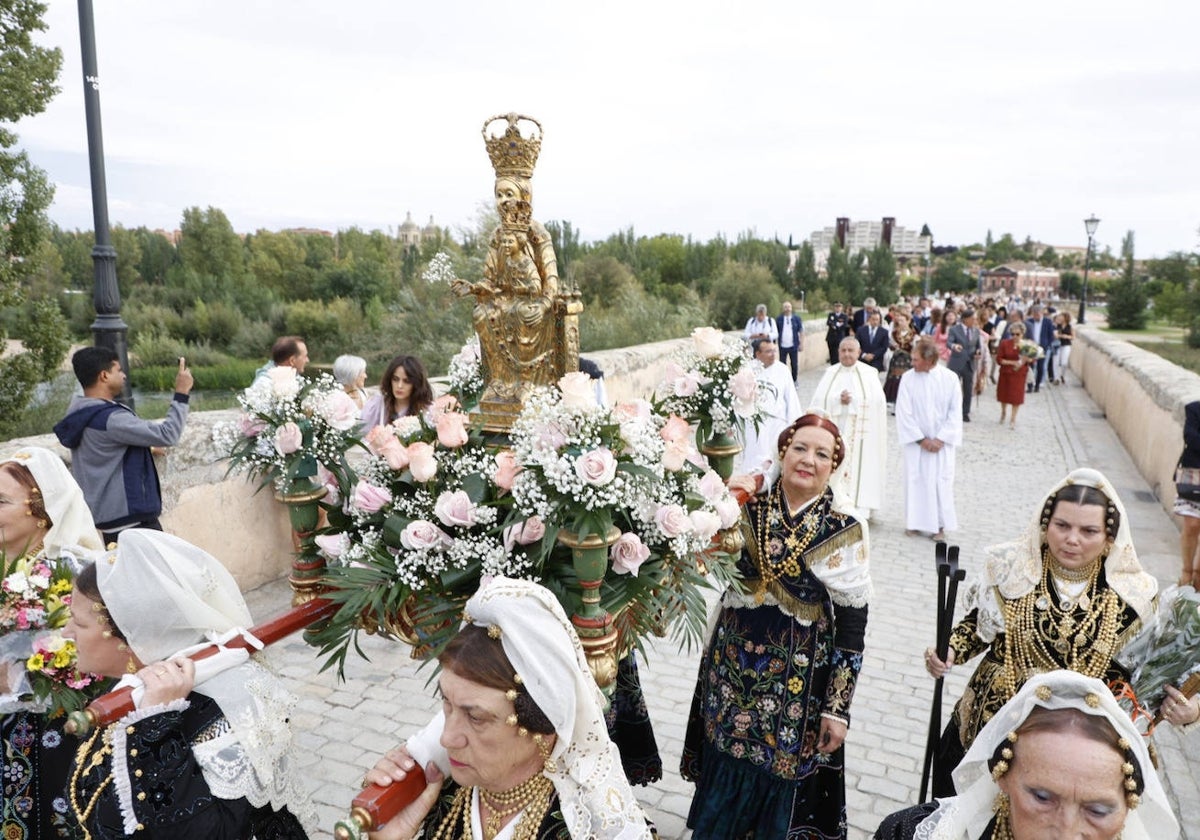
(1010, 391)
(903, 337)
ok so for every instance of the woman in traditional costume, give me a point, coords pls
(902, 340)
(1060, 759)
(772, 702)
(521, 734)
(43, 516)
(1070, 593)
(207, 752)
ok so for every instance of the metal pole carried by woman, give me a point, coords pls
(764, 742)
(1069, 593)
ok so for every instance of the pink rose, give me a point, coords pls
(675, 455)
(638, 409)
(288, 438)
(675, 429)
(712, 486)
(332, 545)
(250, 425)
(688, 384)
(394, 452)
(378, 436)
(708, 342)
(455, 509)
(370, 499)
(551, 437)
(705, 523)
(339, 411)
(333, 493)
(422, 461)
(577, 389)
(524, 533)
(419, 534)
(597, 467)
(673, 520)
(728, 510)
(452, 429)
(506, 469)
(443, 404)
(743, 385)
(628, 554)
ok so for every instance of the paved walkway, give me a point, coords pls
(1002, 475)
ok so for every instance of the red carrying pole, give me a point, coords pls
(116, 704)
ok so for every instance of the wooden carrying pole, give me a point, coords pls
(116, 704)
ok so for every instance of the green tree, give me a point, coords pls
(1127, 296)
(1171, 304)
(1070, 284)
(737, 289)
(28, 81)
(209, 246)
(1048, 257)
(805, 279)
(882, 283)
(158, 255)
(844, 276)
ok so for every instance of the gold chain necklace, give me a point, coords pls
(1040, 635)
(540, 794)
(81, 767)
(794, 546)
(1070, 575)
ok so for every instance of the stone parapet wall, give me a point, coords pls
(249, 531)
(1143, 398)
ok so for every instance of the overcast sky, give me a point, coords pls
(690, 117)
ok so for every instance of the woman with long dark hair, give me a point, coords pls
(404, 391)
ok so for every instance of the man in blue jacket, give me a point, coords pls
(110, 445)
(791, 338)
(1040, 331)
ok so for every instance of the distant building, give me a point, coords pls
(906, 244)
(307, 231)
(411, 235)
(1028, 281)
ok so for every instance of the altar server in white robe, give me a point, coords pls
(851, 395)
(929, 426)
(761, 444)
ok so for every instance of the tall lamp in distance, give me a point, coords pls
(1090, 224)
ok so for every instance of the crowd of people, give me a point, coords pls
(521, 747)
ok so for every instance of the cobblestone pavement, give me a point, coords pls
(1001, 475)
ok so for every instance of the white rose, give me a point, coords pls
(339, 411)
(628, 554)
(729, 511)
(577, 390)
(673, 520)
(708, 341)
(705, 523)
(284, 382)
(597, 467)
(455, 509)
(419, 534)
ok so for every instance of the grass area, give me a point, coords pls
(1173, 351)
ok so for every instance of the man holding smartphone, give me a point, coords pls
(110, 445)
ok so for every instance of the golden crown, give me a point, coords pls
(512, 153)
(516, 215)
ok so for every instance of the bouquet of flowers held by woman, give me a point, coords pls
(1030, 351)
(35, 600)
(1166, 651)
(289, 426)
(712, 384)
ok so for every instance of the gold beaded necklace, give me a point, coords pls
(794, 544)
(82, 767)
(534, 795)
(1042, 633)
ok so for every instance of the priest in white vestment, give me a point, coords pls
(851, 395)
(761, 444)
(929, 426)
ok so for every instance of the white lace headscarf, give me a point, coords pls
(166, 596)
(540, 643)
(1015, 568)
(72, 531)
(965, 817)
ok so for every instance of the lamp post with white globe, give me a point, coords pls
(1090, 224)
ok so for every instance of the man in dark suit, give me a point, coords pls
(1039, 330)
(861, 316)
(965, 349)
(791, 338)
(837, 327)
(873, 339)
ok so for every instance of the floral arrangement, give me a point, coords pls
(1030, 351)
(712, 384)
(434, 510)
(466, 374)
(1165, 651)
(35, 600)
(289, 426)
(439, 270)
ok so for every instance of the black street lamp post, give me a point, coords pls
(108, 330)
(1090, 224)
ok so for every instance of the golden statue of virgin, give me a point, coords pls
(528, 327)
